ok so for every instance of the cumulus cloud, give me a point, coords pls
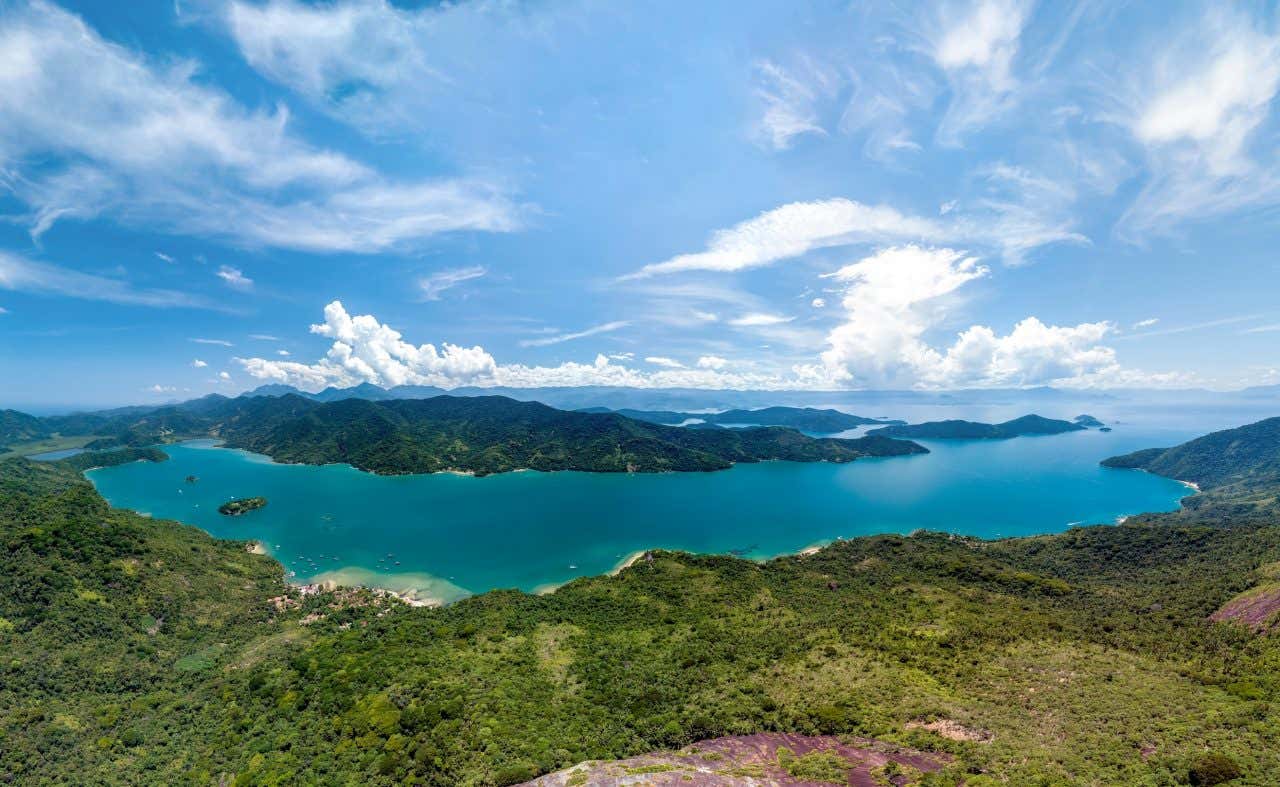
(892, 300)
(895, 297)
(819, 303)
(365, 350)
(162, 389)
(568, 337)
(234, 278)
(23, 275)
(432, 285)
(198, 364)
(110, 133)
(283, 353)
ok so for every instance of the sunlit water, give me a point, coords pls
(447, 535)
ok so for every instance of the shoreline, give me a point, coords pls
(420, 589)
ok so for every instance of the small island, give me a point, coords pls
(1087, 421)
(241, 506)
(974, 430)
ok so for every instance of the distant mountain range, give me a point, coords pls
(974, 430)
(809, 419)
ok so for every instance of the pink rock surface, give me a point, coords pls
(735, 761)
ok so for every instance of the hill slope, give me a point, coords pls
(140, 651)
(1247, 455)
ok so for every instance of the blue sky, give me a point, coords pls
(212, 194)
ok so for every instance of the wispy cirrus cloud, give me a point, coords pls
(1022, 213)
(93, 128)
(559, 338)
(434, 284)
(24, 275)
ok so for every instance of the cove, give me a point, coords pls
(446, 536)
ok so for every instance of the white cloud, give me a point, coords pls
(436, 283)
(1201, 105)
(224, 376)
(3, 310)
(790, 100)
(1147, 323)
(975, 45)
(365, 350)
(283, 353)
(219, 342)
(264, 337)
(896, 296)
(165, 257)
(150, 144)
(234, 278)
(162, 389)
(1272, 328)
(566, 337)
(759, 319)
(22, 275)
(892, 300)
(198, 364)
(792, 230)
(1025, 212)
(819, 303)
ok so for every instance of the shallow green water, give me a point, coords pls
(447, 535)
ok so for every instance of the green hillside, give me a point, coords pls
(142, 651)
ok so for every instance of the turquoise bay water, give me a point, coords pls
(446, 536)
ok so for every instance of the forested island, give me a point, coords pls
(479, 435)
(241, 506)
(974, 430)
(809, 419)
(145, 651)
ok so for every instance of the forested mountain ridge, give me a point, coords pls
(476, 434)
(139, 650)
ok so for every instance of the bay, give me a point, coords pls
(442, 536)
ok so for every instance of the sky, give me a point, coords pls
(209, 195)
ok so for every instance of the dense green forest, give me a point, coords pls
(475, 434)
(144, 651)
(975, 430)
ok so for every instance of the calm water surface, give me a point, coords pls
(446, 536)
